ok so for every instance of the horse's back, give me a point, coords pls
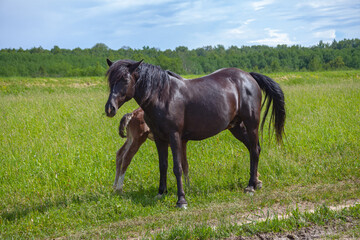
(215, 102)
(229, 80)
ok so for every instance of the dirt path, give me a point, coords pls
(334, 229)
(248, 210)
(281, 211)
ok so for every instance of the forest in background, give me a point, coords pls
(59, 62)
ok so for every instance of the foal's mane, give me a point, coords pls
(153, 81)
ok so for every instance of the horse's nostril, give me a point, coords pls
(110, 110)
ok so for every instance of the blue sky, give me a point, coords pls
(167, 24)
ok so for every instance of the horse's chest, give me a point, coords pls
(158, 128)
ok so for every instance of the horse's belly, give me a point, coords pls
(208, 117)
(202, 130)
(198, 136)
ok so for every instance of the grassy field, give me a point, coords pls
(57, 156)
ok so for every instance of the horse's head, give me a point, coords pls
(122, 81)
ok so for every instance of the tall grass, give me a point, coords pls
(58, 151)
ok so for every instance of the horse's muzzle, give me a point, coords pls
(110, 110)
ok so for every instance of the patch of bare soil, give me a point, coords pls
(333, 230)
(281, 212)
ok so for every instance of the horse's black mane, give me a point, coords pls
(153, 81)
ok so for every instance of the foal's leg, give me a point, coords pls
(120, 155)
(125, 155)
(176, 145)
(249, 136)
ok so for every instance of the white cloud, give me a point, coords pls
(327, 14)
(197, 12)
(328, 35)
(239, 32)
(321, 4)
(275, 38)
(261, 4)
(119, 6)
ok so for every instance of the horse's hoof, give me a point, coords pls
(250, 193)
(249, 190)
(258, 185)
(182, 205)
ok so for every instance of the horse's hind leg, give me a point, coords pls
(185, 165)
(249, 136)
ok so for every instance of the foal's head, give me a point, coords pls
(121, 79)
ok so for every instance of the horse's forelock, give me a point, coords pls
(117, 70)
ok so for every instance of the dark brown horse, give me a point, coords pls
(177, 111)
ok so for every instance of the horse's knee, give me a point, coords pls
(177, 171)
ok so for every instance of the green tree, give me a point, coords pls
(92, 61)
(315, 64)
(337, 63)
(275, 65)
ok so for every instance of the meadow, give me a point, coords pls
(57, 156)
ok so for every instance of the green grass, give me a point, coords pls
(322, 216)
(57, 152)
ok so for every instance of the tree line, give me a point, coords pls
(58, 62)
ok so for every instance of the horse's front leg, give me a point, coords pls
(178, 154)
(162, 148)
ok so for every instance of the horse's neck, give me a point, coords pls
(139, 98)
(158, 96)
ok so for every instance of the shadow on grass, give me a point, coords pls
(21, 211)
(144, 197)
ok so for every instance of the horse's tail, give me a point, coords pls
(274, 95)
(124, 123)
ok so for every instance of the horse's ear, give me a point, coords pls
(134, 66)
(109, 62)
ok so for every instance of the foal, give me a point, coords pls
(136, 133)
